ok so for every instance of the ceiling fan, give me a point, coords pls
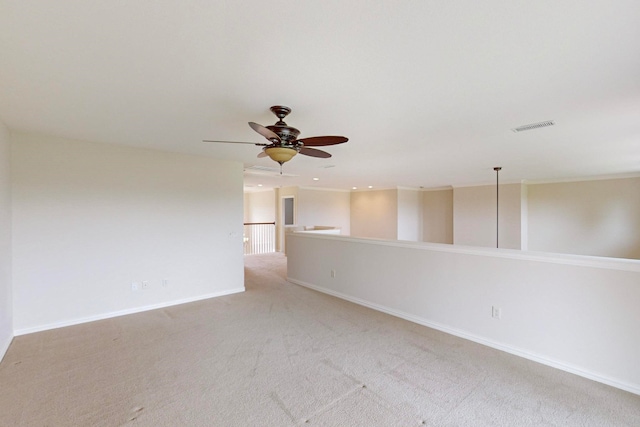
(283, 143)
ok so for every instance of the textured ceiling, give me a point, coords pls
(427, 91)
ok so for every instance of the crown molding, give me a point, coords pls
(337, 190)
(584, 178)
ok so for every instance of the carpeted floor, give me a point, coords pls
(283, 355)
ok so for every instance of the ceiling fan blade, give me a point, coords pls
(270, 135)
(314, 153)
(318, 141)
(262, 154)
(237, 142)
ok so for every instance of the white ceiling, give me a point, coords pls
(426, 91)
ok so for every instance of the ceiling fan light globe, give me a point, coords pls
(280, 154)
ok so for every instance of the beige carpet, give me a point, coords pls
(283, 355)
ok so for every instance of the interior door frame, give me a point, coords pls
(283, 217)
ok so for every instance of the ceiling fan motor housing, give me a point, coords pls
(286, 133)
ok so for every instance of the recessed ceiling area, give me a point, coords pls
(427, 93)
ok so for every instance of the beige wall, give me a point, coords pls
(260, 206)
(6, 305)
(524, 217)
(511, 216)
(409, 215)
(474, 216)
(311, 207)
(324, 208)
(374, 214)
(89, 219)
(600, 218)
(437, 208)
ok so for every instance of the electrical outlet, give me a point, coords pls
(145, 285)
(135, 286)
(333, 274)
(496, 313)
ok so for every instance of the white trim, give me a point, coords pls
(622, 264)
(338, 190)
(109, 315)
(443, 188)
(632, 388)
(584, 178)
(262, 189)
(475, 184)
(364, 190)
(488, 183)
(4, 347)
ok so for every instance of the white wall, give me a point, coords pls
(474, 216)
(260, 206)
(375, 214)
(575, 313)
(409, 215)
(599, 218)
(6, 301)
(89, 219)
(324, 207)
(437, 207)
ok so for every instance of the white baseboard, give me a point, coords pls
(632, 388)
(109, 315)
(4, 346)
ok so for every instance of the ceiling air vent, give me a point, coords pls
(258, 168)
(264, 170)
(534, 126)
